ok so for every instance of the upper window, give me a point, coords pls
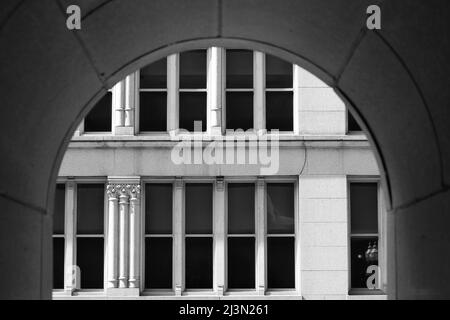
(279, 94)
(99, 118)
(352, 125)
(153, 97)
(58, 237)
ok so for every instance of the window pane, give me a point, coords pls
(58, 263)
(99, 119)
(279, 111)
(153, 111)
(364, 252)
(352, 124)
(239, 68)
(90, 260)
(199, 270)
(158, 208)
(280, 262)
(241, 263)
(364, 207)
(192, 108)
(154, 75)
(193, 69)
(58, 213)
(158, 263)
(90, 208)
(280, 208)
(198, 210)
(239, 110)
(241, 208)
(278, 73)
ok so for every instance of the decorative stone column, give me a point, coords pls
(123, 236)
(113, 236)
(135, 236)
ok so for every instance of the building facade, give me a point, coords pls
(215, 174)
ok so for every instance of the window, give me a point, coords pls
(192, 97)
(89, 237)
(199, 237)
(158, 236)
(280, 236)
(239, 89)
(352, 125)
(153, 97)
(279, 94)
(364, 234)
(241, 236)
(100, 117)
(58, 237)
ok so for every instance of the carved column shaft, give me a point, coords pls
(135, 236)
(123, 238)
(113, 237)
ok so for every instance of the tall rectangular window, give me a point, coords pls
(58, 237)
(239, 89)
(363, 231)
(199, 235)
(90, 234)
(280, 236)
(158, 235)
(100, 117)
(241, 236)
(192, 75)
(153, 97)
(279, 94)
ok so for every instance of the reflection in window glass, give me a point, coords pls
(199, 269)
(364, 253)
(90, 261)
(241, 263)
(99, 118)
(239, 110)
(279, 110)
(193, 69)
(278, 73)
(153, 111)
(198, 208)
(90, 208)
(154, 75)
(364, 207)
(241, 208)
(239, 69)
(192, 108)
(280, 208)
(280, 262)
(158, 208)
(58, 211)
(58, 263)
(158, 263)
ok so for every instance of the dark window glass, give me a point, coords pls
(241, 263)
(364, 207)
(278, 73)
(158, 263)
(154, 75)
(198, 208)
(241, 208)
(280, 208)
(90, 208)
(364, 252)
(158, 208)
(239, 110)
(239, 69)
(199, 269)
(90, 261)
(58, 213)
(352, 124)
(192, 108)
(99, 118)
(280, 262)
(58, 263)
(193, 69)
(279, 111)
(153, 111)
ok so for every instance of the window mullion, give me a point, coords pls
(259, 84)
(260, 228)
(296, 103)
(71, 280)
(215, 87)
(173, 84)
(178, 237)
(219, 249)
